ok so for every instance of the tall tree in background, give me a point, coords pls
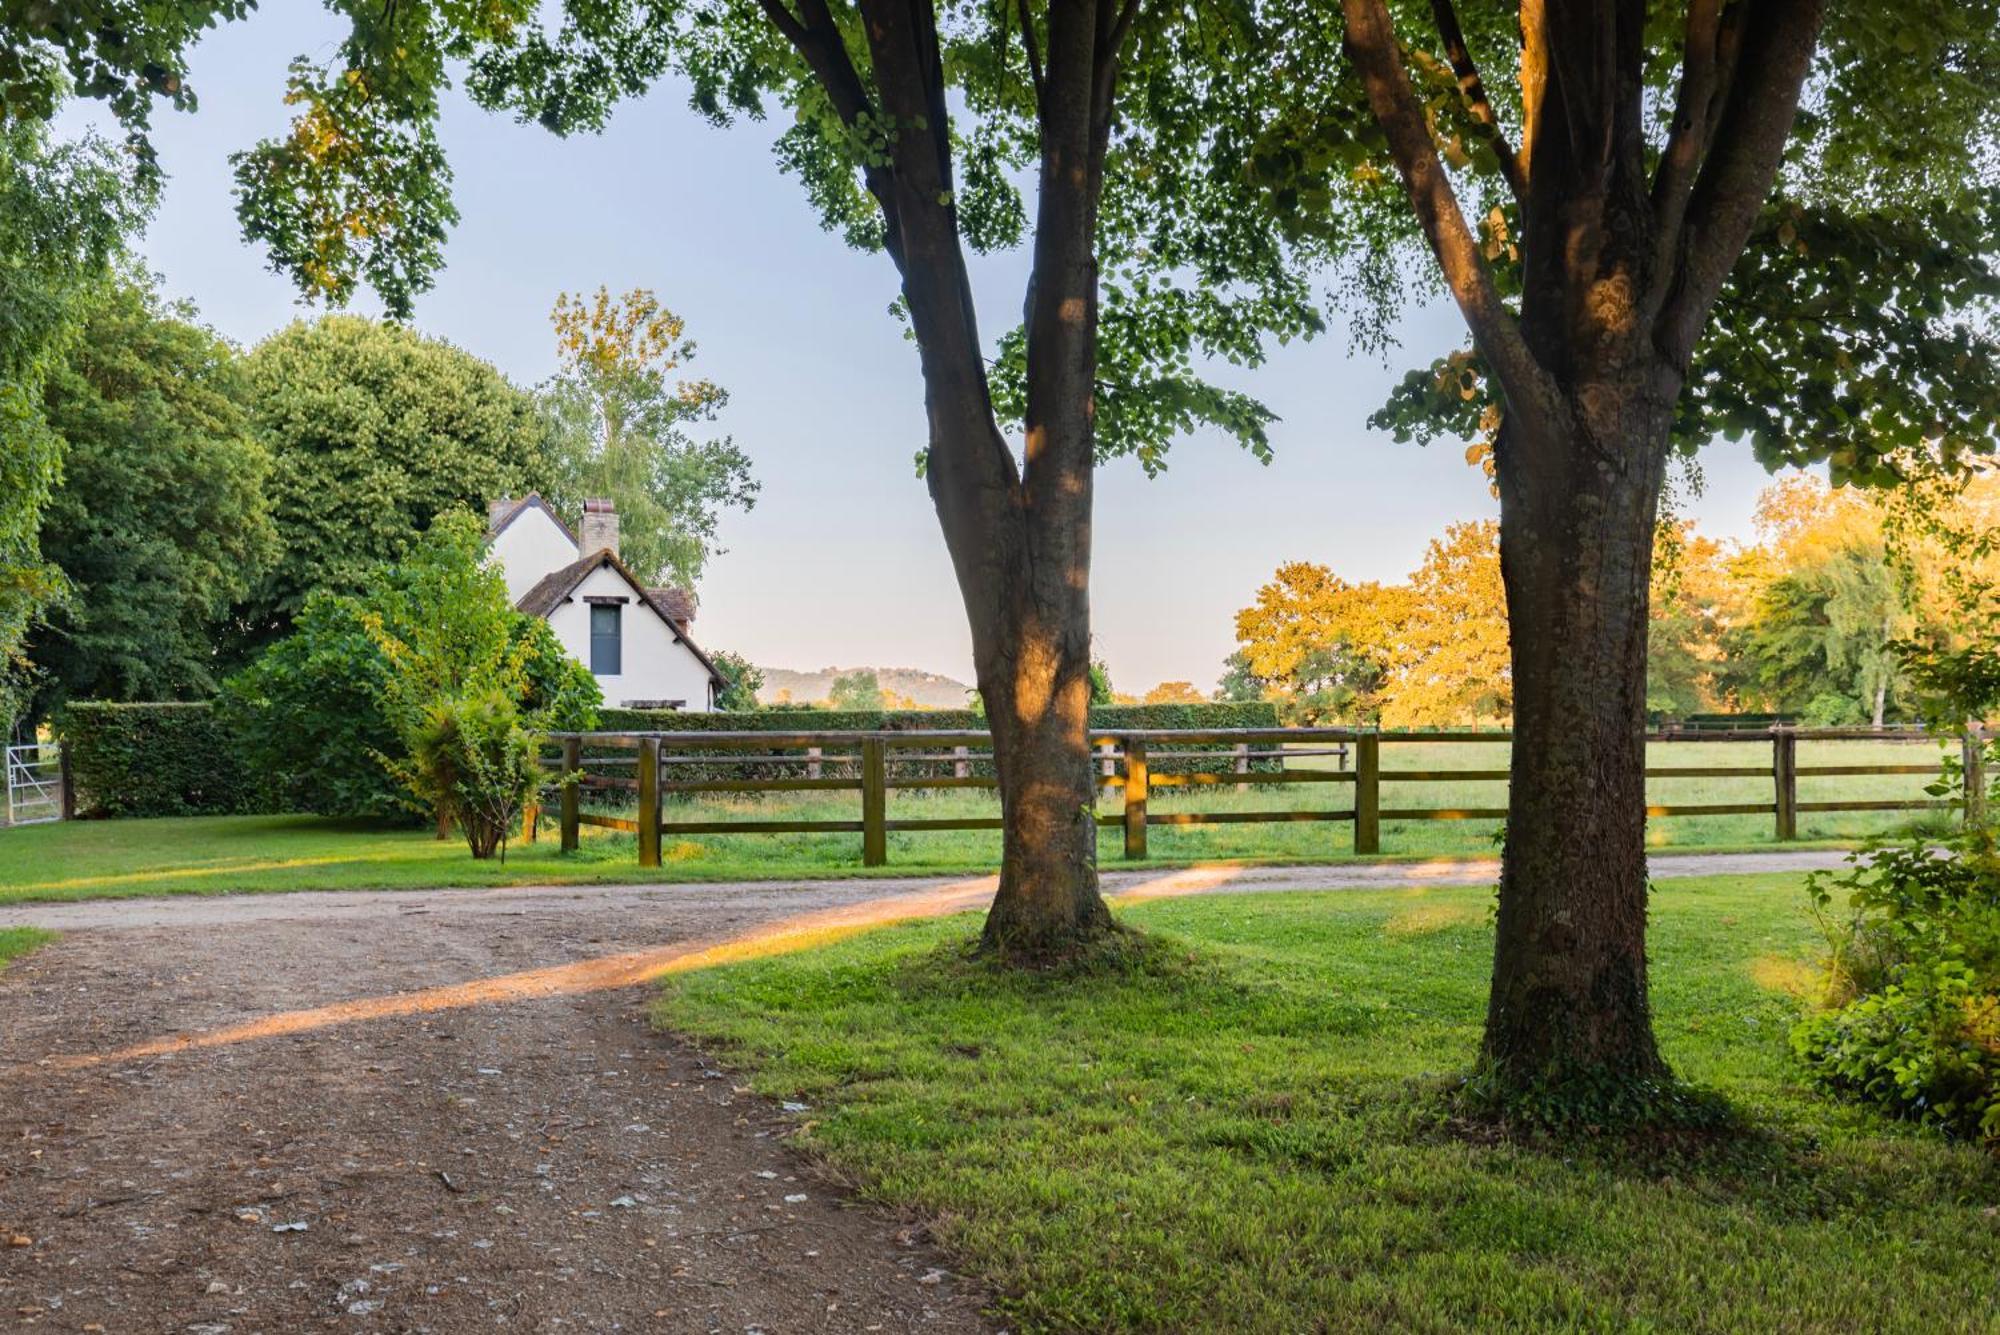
(64, 210)
(621, 431)
(1620, 188)
(373, 431)
(160, 525)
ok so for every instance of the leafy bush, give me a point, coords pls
(157, 760)
(1913, 980)
(472, 756)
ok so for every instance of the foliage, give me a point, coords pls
(1101, 691)
(373, 432)
(1426, 653)
(458, 668)
(160, 524)
(156, 760)
(319, 709)
(64, 210)
(741, 680)
(1913, 968)
(471, 756)
(619, 424)
(1914, 978)
(855, 692)
(1172, 693)
(1239, 682)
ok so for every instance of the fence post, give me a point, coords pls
(1974, 753)
(1137, 780)
(531, 816)
(1368, 793)
(813, 770)
(1107, 764)
(961, 762)
(649, 801)
(572, 796)
(1242, 753)
(1785, 774)
(874, 804)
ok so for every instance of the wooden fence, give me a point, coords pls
(1126, 760)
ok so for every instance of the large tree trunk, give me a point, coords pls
(1569, 999)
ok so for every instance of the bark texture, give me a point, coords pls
(1018, 532)
(1623, 252)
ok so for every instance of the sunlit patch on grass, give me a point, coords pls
(683, 851)
(1428, 918)
(1793, 977)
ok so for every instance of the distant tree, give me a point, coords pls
(1238, 683)
(1452, 664)
(1698, 596)
(858, 690)
(374, 430)
(1101, 692)
(1172, 693)
(741, 680)
(64, 211)
(620, 430)
(1324, 647)
(159, 525)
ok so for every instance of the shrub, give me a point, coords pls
(314, 710)
(1913, 982)
(473, 757)
(156, 760)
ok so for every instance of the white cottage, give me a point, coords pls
(633, 639)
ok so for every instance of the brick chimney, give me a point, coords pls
(600, 526)
(497, 508)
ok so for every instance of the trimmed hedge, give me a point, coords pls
(1247, 714)
(154, 760)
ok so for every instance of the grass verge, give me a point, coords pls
(18, 941)
(1241, 1128)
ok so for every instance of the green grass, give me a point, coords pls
(1245, 1130)
(18, 941)
(103, 859)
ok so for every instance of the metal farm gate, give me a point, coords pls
(34, 783)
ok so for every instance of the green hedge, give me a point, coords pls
(154, 760)
(1251, 714)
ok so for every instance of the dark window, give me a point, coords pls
(604, 640)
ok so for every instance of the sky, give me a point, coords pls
(841, 562)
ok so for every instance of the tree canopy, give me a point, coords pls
(160, 524)
(373, 431)
(620, 429)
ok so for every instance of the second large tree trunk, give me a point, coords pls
(1569, 1005)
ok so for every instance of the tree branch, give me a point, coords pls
(816, 37)
(1777, 44)
(1473, 89)
(1034, 51)
(1371, 44)
(1702, 77)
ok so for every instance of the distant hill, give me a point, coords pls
(929, 689)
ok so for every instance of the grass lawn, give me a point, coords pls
(195, 855)
(1244, 1132)
(18, 941)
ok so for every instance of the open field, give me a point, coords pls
(1243, 1129)
(210, 854)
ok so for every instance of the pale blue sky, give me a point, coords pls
(841, 562)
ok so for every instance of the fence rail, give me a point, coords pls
(1127, 766)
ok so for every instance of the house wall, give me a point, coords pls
(657, 666)
(529, 548)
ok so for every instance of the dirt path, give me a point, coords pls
(444, 1111)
